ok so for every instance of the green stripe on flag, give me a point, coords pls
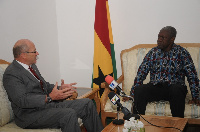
(113, 61)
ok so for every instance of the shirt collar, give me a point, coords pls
(24, 65)
(173, 48)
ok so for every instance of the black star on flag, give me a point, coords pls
(100, 79)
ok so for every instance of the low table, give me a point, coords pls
(156, 120)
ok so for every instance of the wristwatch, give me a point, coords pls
(49, 100)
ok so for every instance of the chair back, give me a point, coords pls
(132, 58)
(6, 113)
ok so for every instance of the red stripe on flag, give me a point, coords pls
(101, 23)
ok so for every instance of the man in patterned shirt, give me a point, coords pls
(168, 65)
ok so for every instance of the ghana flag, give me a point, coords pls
(104, 56)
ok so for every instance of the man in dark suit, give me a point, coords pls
(39, 104)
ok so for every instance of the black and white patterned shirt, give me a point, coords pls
(170, 67)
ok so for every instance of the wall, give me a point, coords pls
(76, 40)
(63, 30)
(133, 22)
(34, 20)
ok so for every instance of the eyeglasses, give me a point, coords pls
(31, 52)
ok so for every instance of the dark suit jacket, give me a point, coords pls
(25, 93)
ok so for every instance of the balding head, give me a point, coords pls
(24, 51)
(21, 46)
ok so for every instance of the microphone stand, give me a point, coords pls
(118, 121)
(129, 115)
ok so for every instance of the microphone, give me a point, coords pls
(116, 100)
(113, 84)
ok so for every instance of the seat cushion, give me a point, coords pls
(163, 109)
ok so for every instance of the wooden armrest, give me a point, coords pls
(104, 97)
(85, 95)
(120, 79)
(89, 93)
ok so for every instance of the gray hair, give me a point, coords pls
(172, 31)
(17, 50)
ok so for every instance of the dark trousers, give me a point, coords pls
(65, 115)
(174, 93)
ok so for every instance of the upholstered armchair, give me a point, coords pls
(7, 123)
(130, 60)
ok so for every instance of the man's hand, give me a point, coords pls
(126, 98)
(61, 94)
(194, 101)
(63, 85)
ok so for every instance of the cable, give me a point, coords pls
(153, 124)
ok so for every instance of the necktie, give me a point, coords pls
(33, 71)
